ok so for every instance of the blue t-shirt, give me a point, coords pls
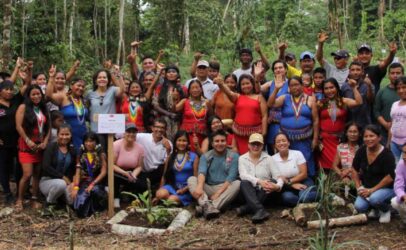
(220, 168)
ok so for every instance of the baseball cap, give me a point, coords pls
(246, 50)
(365, 46)
(256, 138)
(306, 54)
(202, 63)
(341, 53)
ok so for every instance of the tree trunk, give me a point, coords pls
(23, 30)
(72, 21)
(120, 23)
(56, 21)
(136, 5)
(186, 35)
(381, 12)
(105, 29)
(96, 37)
(6, 33)
(65, 20)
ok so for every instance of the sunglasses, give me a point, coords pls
(101, 100)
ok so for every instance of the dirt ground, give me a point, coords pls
(28, 230)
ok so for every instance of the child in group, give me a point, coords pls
(88, 192)
(307, 84)
(56, 121)
(399, 201)
(319, 75)
(181, 165)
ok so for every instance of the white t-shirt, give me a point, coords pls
(289, 168)
(239, 72)
(154, 152)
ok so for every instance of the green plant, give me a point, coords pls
(154, 214)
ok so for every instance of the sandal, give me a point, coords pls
(19, 206)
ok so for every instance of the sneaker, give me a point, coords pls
(260, 216)
(116, 203)
(384, 217)
(243, 210)
(199, 211)
(373, 214)
(209, 211)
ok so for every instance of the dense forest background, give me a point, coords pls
(61, 31)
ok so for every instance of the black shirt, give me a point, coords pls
(8, 132)
(372, 174)
(376, 75)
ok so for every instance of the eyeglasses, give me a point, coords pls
(101, 100)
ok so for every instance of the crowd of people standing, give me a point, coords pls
(211, 139)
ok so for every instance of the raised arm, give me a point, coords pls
(282, 47)
(357, 96)
(258, 69)
(55, 97)
(322, 37)
(274, 102)
(19, 65)
(230, 94)
(72, 70)
(264, 60)
(198, 55)
(159, 57)
(150, 90)
(388, 60)
(118, 80)
(370, 89)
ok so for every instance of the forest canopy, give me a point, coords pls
(55, 31)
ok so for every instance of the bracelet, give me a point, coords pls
(75, 188)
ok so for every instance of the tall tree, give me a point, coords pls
(71, 23)
(120, 39)
(7, 7)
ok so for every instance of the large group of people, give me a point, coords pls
(211, 140)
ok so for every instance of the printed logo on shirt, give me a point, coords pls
(2, 112)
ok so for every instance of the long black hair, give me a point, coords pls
(30, 119)
(348, 125)
(169, 176)
(163, 94)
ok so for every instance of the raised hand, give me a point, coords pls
(19, 62)
(393, 47)
(160, 67)
(352, 82)
(135, 44)
(367, 80)
(218, 80)
(76, 64)
(279, 81)
(131, 58)
(258, 68)
(52, 71)
(107, 64)
(257, 47)
(198, 55)
(322, 37)
(161, 52)
(282, 46)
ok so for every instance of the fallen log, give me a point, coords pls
(339, 222)
(299, 214)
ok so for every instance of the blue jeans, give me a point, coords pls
(396, 150)
(380, 199)
(291, 197)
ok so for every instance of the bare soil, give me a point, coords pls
(139, 220)
(28, 230)
(338, 212)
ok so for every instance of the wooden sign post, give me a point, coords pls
(111, 124)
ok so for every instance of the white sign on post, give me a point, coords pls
(111, 123)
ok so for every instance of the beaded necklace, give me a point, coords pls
(180, 162)
(133, 108)
(79, 108)
(297, 105)
(199, 109)
(40, 120)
